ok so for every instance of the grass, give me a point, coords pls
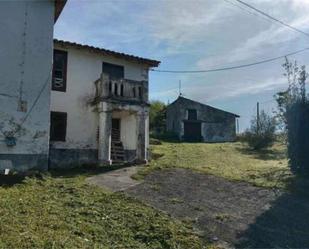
(62, 211)
(233, 161)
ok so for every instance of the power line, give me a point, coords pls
(231, 68)
(273, 18)
(246, 10)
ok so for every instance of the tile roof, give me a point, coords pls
(149, 62)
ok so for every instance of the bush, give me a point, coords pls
(261, 133)
(297, 115)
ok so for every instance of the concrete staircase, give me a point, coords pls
(117, 152)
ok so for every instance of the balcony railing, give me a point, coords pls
(121, 89)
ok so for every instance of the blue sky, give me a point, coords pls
(197, 35)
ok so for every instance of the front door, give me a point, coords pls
(115, 129)
(192, 131)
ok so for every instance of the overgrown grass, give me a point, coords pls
(65, 212)
(234, 161)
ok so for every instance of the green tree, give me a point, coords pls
(157, 116)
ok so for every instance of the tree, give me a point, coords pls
(261, 133)
(157, 116)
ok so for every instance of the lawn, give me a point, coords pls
(233, 161)
(62, 211)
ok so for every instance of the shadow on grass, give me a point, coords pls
(284, 225)
(266, 154)
(11, 180)
(85, 170)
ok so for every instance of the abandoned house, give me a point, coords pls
(63, 103)
(194, 121)
(99, 106)
(26, 56)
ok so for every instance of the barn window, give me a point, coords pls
(58, 126)
(192, 114)
(59, 81)
(114, 71)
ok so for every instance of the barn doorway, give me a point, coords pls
(192, 131)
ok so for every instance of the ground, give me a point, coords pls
(235, 213)
(63, 211)
(233, 161)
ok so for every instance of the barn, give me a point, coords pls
(196, 122)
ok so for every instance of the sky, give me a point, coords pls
(198, 35)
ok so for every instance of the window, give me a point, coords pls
(114, 71)
(59, 82)
(134, 92)
(116, 89)
(192, 114)
(58, 126)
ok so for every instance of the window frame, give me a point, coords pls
(65, 69)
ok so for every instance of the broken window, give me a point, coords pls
(192, 114)
(58, 126)
(59, 81)
(114, 71)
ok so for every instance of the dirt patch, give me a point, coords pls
(234, 212)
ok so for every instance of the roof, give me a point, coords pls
(149, 62)
(186, 99)
(59, 5)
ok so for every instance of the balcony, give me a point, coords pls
(123, 90)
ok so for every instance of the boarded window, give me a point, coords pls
(192, 114)
(114, 71)
(58, 126)
(59, 82)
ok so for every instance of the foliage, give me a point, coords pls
(234, 161)
(157, 117)
(65, 212)
(261, 133)
(293, 112)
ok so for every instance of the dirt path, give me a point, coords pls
(234, 212)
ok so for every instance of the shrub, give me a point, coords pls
(261, 133)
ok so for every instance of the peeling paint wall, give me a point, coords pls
(26, 62)
(216, 125)
(83, 69)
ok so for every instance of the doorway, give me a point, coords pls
(116, 129)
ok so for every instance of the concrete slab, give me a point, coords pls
(117, 180)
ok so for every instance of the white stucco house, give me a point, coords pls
(26, 55)
(63, 103)
(99, 106)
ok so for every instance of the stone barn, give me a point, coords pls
(196, 122)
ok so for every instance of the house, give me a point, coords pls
(26, 55)
(99, 106)
(194, 121)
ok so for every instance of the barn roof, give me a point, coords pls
(180, 98)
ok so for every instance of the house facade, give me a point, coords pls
(194, 121)
(99, 106)
(26, 55)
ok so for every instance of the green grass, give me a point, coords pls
(64, 212)
(233, 161)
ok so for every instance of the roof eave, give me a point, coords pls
(59, 5)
